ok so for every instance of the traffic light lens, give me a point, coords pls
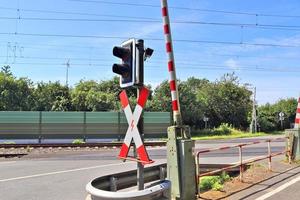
(121, 69)
(121, 52)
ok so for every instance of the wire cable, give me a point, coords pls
(151, 39)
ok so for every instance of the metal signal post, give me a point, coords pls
(131, 71)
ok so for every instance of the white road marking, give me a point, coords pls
(8, 162)
(282, 187)
(59, 172)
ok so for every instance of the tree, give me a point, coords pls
(226, 101)
(15, 94)
(269, 114)
(93, 96)
(52, 96)
(6, 70)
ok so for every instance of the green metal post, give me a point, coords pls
(40, 127)
(84, 126)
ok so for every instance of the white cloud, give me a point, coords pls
(149, 30)
(232, 64)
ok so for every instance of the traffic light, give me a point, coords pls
(131, 68)
(127, 68)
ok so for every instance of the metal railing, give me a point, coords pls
(242, 162)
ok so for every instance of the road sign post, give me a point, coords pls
(281, 118)
(205, 119)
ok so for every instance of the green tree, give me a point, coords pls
(269, 114)
(52, 96)
(226, 101)
(93, 96)
(15, 94)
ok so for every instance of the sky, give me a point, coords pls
(257, 40)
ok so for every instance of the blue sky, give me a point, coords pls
(272, 68)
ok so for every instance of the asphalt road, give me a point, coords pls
(63, 176)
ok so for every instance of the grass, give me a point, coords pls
(9, 142)
(242, 135)
(225, 131)
(213, 182)
(78, 141)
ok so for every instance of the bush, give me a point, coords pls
(223, 129)
(78, 141)
(207, 182)
(213, 182)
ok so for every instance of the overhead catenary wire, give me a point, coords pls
(154, 20)
(150, 39)
(189, 9)
(182, 66)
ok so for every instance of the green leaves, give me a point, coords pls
(269, 114)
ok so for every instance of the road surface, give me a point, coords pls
(63, 176)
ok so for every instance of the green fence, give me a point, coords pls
(71, 125)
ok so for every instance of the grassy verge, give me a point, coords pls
(215, 137)
(225, 131)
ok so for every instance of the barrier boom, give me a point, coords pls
(171, 64)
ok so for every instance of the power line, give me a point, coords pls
(152, 39)
(189, 9)
(153, 20)
(72, 13)
(189, 64)
(182, 67)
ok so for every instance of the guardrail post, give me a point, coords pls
(241, 163)
(269, 155)
(162, 173)
(113, 184)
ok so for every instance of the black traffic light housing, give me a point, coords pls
(131, 68)
(126, 69)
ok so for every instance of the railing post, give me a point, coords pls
(269, 155)
(241, 163)
(197, 174)
(289, 150)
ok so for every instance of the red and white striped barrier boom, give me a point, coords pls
(132, 131)
(171, 64)
(297, 119)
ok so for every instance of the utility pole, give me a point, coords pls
(67, 72)
(253, 127)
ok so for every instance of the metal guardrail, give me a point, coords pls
(106, 187)
(242, 162)
(66, 145)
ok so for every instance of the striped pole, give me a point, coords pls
(171, 64)
(297, 119)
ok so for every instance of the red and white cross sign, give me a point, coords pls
(132, 131)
